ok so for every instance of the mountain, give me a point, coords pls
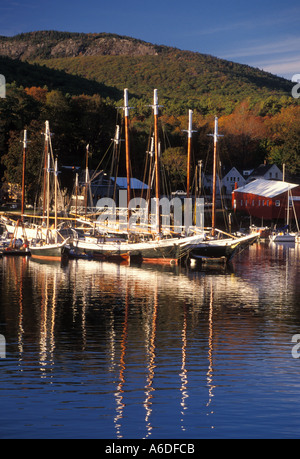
(108, 63)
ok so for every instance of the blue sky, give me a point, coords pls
(263, 34)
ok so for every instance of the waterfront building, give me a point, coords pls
(267, 199)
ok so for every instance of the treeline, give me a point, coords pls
(252, 133)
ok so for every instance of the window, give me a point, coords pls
(277, 203)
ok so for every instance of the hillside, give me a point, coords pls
(184, 79)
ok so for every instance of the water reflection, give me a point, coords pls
(142, 344)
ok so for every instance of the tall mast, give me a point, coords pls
(76, 199)
(47, 136)
(48, 192)
(126, 112)
(190, 132)
(151, 154)
(215, 136)
(157, 181)
(86, 177)
(23, 175)
(115, 162)
(55, 192)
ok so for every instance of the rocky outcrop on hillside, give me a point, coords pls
(47, 45)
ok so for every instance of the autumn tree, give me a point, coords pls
(284, 138)
(39, 94)
(244, 133)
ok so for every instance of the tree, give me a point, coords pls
(244, 133)
(284, 134)
(34, 161)
(175, 162)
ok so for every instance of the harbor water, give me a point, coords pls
(111, 351)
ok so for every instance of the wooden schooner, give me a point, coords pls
(49, 248)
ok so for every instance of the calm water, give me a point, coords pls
(99, 350)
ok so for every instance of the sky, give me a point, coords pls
(260, 33)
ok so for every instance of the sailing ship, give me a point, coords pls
(49, 248)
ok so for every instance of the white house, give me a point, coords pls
(266, 172)
(231, 178)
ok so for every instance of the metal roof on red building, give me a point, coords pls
(266, 188)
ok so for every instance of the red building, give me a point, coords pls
(268, 199)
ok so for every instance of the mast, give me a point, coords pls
(76, 199)
(156, 150)
(47, 135)
(215, 136)
(115, 161)
(48, 193)
(55, 193)
(190, 132)
(150, 178)
(23, 175)
(86, 177)
(126, 112)
(288, 210)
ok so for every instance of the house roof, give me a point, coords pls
(135, 184)
(233, 170)
(267, 188)
(261, 170)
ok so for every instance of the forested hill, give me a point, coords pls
(183, 78)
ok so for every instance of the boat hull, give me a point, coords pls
(51, 252)
(283, 238)
(223, 249)
(161, 251)
(15, 252)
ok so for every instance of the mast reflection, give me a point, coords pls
(183, 374)
(119, 394)
(149, 389)
(209, 374)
